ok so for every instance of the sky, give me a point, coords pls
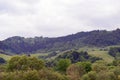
(53, 18)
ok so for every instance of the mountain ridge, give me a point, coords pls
(98, 38)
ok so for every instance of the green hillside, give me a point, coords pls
(95, 52)
(99, 52)
(6, 57)
(102, 54)
(96, 38)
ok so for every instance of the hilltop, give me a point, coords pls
(96, 38)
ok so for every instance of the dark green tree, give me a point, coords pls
(87, 66)
(62, 65)
(2, 60)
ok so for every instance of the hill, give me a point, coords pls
(75, 56)
(97, 38)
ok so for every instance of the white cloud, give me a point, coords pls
(56, 17)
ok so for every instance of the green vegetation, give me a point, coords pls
(102, 54)
(85, 64)
(75, 56)
(2, 60)
(99, 52)
(62, 65)
(93, 55)
(6, 57)
(96, 38)
(37, 55)
(24, 63)
(115, 52)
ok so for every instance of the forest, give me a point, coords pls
(97, 38)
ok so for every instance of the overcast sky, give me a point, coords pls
(51, 18)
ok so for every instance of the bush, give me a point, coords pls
(86, 65)
(99, 66)
(43, 74)
(75, 72)
(2, 60)
(62, 65)
(90, 76)
(103, 75)
(25, 63)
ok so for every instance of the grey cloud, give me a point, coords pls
(56, 17)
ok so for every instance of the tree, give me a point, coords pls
(106, 75)
(116, 62)
(62, 65)
(2, 60)
(13, 63)
(75, 72)
(117, 72)
(86, 65)
(34, 63)
(25, 63)
(99, 66)
(43, 74)
(90, 76)
(115, 52)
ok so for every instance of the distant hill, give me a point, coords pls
(97, 38)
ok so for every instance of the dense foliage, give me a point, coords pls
(115, 52)
(44, 74)
(62, 65)
(93, 38)
(25, 63)
(31, 68)
(75, 56)
(2, 60)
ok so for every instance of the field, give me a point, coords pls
(39, 54)
(102, 54)
(99, 52)
(6, 57)
(91, 51)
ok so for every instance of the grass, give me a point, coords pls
(97, 52)
(102, 54)
(6, 57)
(39, 54)
(91, 51)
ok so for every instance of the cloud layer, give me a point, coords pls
(52, 18)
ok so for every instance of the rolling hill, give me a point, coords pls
(97, 38)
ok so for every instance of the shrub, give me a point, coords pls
(2, 60)
(25, 63)
(75, 72)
